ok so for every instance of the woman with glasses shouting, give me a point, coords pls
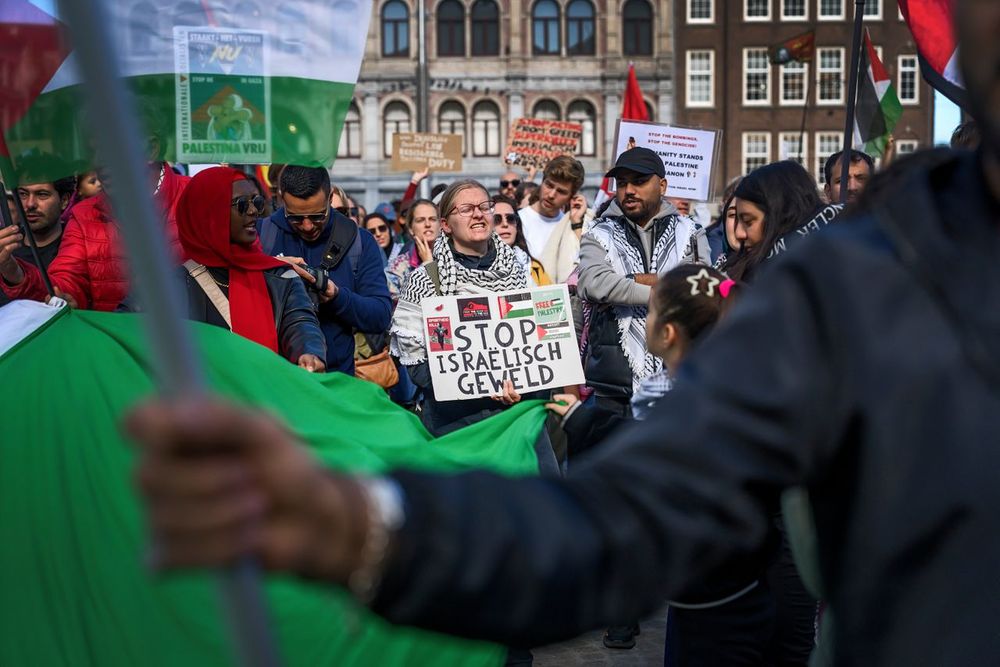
(230, 282)
(468, 258)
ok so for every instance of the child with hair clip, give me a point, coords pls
(684, 306)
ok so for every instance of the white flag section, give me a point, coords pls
(474, 343)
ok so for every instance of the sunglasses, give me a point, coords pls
(349, 211)
(511, 218)
(516, 182)
(244, 203)
(315, 218)
(380, 229)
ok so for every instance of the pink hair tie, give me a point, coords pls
(726, 287)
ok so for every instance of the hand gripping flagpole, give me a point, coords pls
(118, 140)
(852, 99)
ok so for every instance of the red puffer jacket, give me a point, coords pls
(90, 266)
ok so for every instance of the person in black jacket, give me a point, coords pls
(262, 299)
(879, 392)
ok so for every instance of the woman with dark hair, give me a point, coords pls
(229, 280)
(381, 229)
(770, 202)
(507, 225)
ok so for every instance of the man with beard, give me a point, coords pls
(44, 201)
(859, 172)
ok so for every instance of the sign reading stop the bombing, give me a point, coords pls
(533, 142)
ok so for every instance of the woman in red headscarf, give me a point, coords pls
(231, 282)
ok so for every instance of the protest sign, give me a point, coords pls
(474, 343)
(533, 142)
(688, 155)
(223, 96)
(415, 151)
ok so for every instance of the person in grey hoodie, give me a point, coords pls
(640, 237)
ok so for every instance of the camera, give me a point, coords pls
(321, 276)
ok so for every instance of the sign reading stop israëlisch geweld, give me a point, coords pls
(476, 342)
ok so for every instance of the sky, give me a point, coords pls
(946, 117)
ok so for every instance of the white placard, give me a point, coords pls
(474, 343)
(688, 155)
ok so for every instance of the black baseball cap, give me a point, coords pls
(640, 160)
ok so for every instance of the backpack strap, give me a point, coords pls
(204, 279)
(435, 275)
(342, 238)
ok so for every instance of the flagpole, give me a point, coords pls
(852, 99)
(118, 137)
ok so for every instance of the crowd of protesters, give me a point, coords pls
(297, 265)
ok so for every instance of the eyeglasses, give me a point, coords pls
(511, 218)
(380, 229)
(244, 203)
(315, 218)
(349, 211)
(465, 210)
(516, 182)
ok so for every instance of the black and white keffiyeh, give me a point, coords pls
(407, 331)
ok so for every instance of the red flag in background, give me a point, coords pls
(633, 108)
(932, 23)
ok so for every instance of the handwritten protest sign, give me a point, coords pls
(474, 343)
(688, 155)
(533, 142)
(414, 151)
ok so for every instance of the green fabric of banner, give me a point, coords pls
(75, 591)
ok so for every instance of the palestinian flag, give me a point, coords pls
(801, 48)
(933, 26)
(515, 305)
(878, 109)
(75, 590)
(242, 84)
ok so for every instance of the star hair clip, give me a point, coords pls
(710, 283)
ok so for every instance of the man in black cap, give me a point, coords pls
(640, 237)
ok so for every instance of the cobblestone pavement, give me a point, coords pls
(588, 651)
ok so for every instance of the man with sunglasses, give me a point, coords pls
(336, 259)
(508, 184)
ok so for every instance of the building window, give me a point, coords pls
(700, 85)
(756, 10)
(756, 77)
(830, 76)
(794, 76)
(873, 10)
(906, 146)
(395, 30)
(580, 28)
(546, 110)
(350, 136)
(141, 28)
(908, 84)
(451, 28)
(792, 146)
(582, 112)
(794, 10)
(545, 28)
(827, 143)
(700, 11)
(451, 120)
(485, 129)
(395, 119)
(637, 28)
(485, 28)
(756, 150)
(831, 10)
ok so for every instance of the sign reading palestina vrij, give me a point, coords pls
(223, 95)
(476, 342)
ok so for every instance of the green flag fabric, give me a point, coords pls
(75, 591)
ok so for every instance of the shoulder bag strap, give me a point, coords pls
(212, 291)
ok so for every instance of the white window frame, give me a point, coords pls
(907, 146)
(757, 19)
(696, 21)
(766, 102)
(743, 149)
(820, 71)
(804, 17)
(916, 79)
(802, 138)
(817, 153)
(699, 104)
(877, 16)
(830, 17)
(805, 85)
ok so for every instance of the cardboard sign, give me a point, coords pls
(415, 151)
(474, 343)
(534, 142)
(688, 155)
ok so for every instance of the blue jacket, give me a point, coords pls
(363, 301)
